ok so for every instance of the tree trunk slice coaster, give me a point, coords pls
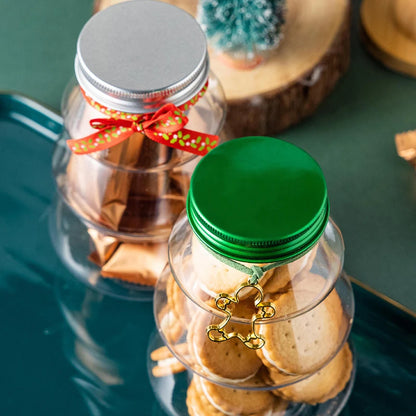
(388, 31)
(296, 77)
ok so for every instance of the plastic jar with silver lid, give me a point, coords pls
(141, 112)
(254, 304)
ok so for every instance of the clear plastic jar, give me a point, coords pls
(125, 197)
(138, 186)
(260, 304)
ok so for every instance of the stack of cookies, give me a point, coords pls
(304, 358)
(205, 398)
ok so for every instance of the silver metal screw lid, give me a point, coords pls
(138, 55)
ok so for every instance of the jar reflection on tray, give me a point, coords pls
(130, 191)
(256, 303)
(106, 345)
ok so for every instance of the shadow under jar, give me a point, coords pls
(254, 303)
(143, 109)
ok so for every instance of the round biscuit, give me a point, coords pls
(279, 407)
(311, 282)
(171, 327)
(280, 280)
(317, 286)
(229, 360)
(237, 401)
(273, 377)
(197, 404)
(215, 277)
(325, 384)
(302, 344)
(177, 300)
(282, 277)
(190, 398)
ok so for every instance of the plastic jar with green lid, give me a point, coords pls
(254, 299)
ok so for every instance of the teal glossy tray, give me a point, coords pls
(91, 359)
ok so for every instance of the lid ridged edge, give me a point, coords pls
(141, 101)
(256, 251)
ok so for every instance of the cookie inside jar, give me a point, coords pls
(254, 298)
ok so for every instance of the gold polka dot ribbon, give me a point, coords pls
(165, 126)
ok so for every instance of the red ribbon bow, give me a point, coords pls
(165, 126)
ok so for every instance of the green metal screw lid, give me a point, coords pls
(258, 199)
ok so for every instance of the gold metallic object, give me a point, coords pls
(252, 340)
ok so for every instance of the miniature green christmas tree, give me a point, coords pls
(242, 29)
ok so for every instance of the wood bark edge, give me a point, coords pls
(272, 112)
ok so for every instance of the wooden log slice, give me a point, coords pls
(187, 5)
(298, 75)
(103, 4)
(389, 33)
(291, 83)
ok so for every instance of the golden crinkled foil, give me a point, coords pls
(100, 192)
(105, 246)
(143, 200)
(406, 146)
(134, 188)
(137, 263)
